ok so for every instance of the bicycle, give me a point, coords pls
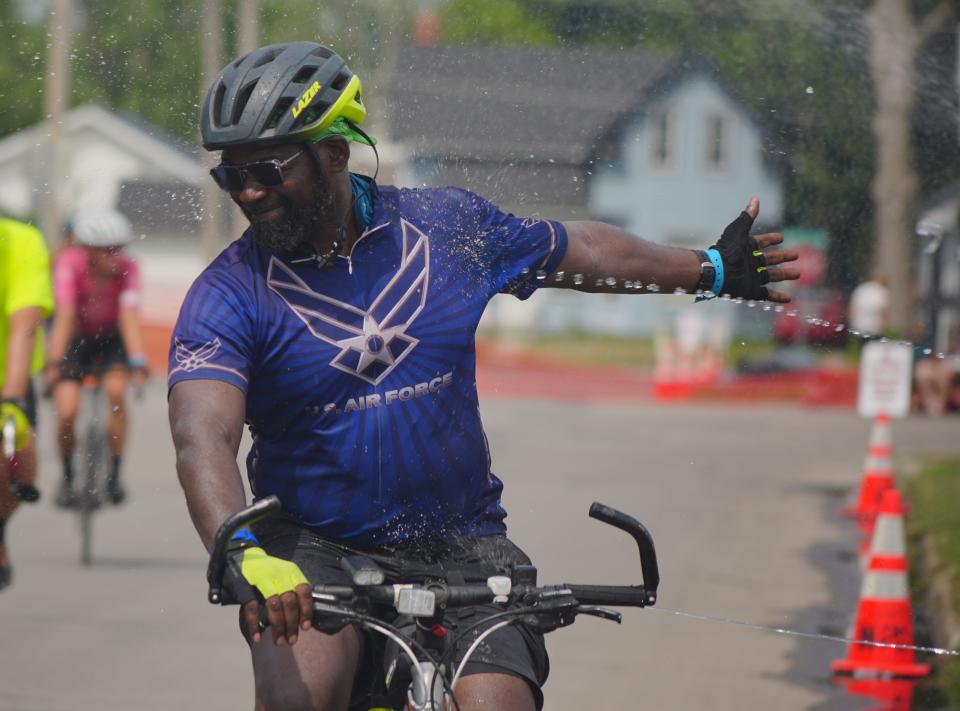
(369, 604)
(91, 451)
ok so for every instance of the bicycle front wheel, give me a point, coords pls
(94, 460)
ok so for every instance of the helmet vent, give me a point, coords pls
(264, 58)
(218, 103)
(323, 52)
(303, 75)
(241, 103)
(278, 111)
(341, 81)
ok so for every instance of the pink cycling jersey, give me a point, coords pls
(97, 302)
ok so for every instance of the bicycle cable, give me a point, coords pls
(811, 635)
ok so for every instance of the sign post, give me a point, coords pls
(885, 378)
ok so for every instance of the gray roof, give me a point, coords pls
(516, 104)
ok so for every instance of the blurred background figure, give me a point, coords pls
(869, 310)
(96, 331)
(27, 299)
(937, 382)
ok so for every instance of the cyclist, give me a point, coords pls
(27, 299)
(340, 328)
(96, 328)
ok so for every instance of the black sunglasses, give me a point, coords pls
(268, 173)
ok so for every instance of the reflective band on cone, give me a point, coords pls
(884, 542)
(884, 615)
(877, 476)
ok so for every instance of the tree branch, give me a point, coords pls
(933, 21)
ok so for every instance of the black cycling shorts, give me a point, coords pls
(513, 650)
(88, 355)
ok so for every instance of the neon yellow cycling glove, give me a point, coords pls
(251, 570)
(270, 575)
(12, 411)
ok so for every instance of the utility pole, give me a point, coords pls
(55, 93)
(248, 26)
(211, 41)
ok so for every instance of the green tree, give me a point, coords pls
(499, 21)
(22, 59)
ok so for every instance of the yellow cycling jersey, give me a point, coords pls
(24, 282)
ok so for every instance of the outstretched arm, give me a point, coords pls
(610, 260)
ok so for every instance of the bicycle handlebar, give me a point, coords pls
(648, 555)
(9, 438)
(446, 596)
(218, 553)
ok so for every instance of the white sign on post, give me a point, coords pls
(885, 379)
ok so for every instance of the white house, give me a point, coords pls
(658, 144)
(101, 153)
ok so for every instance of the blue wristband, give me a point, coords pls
(136, 362)
(717, 270)
(245, 535)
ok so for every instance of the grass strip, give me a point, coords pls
(933, 525)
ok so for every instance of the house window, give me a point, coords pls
(719, 130)
(663, 151)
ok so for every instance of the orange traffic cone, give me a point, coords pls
(893, 694)
(671, 375)
(884, 615)
(877, 473)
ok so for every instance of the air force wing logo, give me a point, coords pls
(373, 341)
(189, 361)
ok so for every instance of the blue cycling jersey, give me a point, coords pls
(360, 377)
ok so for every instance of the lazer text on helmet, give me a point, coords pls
(305, 98)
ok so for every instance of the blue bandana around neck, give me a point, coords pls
(362, 200)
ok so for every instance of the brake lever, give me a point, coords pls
(552, 613)
(603, 613)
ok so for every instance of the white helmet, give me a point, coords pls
(102, 228)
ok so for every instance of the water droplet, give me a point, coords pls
(541, 275)
(653, 288)
(558, 276)
(809, 90)
(610, 281)
(679, 291)
(578, 279)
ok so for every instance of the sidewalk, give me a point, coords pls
(510, 371)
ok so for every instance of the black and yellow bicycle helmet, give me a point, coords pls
(281, 93)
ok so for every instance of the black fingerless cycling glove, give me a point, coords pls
(744, 266)
(250, 570)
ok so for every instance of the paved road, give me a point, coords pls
(742, 501)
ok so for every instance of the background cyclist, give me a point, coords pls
(96, 326)
(27, 299)
(340, 327)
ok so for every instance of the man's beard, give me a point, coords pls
(299, 226)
